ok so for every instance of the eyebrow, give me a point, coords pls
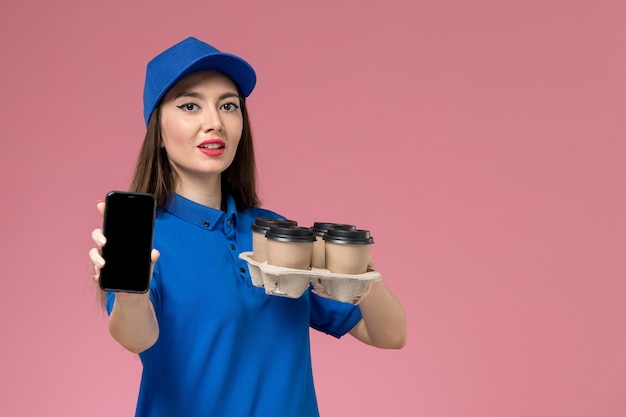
(196, 95)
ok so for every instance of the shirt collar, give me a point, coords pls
(202, 216)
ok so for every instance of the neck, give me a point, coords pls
(207, 192)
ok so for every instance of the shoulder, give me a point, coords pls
(256, 212)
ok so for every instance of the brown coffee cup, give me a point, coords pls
(347, 251)
(319, 250)
(290, 247)
(259, 243)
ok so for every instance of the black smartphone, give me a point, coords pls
(129, 229)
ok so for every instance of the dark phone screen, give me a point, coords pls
(128, 227)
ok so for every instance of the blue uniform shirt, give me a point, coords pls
(225, 348)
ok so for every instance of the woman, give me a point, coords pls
(210, 342)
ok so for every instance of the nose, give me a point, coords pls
(211, 120)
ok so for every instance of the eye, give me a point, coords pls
(188, 107)
(229, 107)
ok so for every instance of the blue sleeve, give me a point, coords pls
(110, 301)
(332, 317)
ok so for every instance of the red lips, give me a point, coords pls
(212, 147)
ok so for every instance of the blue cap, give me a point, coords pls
(187, 57)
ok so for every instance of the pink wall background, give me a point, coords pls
(482, 143)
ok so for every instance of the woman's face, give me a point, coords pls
(201, 125)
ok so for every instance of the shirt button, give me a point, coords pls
(243, 271)
(228, 223)
(232, 246)
(207, 224)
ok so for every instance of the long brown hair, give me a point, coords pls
(154, 174)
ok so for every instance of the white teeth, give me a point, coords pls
(211, 146)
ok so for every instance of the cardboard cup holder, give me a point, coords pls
(292, 283)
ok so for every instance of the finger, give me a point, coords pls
(98, 237)
(154, 255)
(100, 206)
(319, 289)
(318, 286)
(93, 272)
(96, 258)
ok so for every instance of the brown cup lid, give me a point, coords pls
(262, 224)
(351, 237)
(290, 233)
(320, 228)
